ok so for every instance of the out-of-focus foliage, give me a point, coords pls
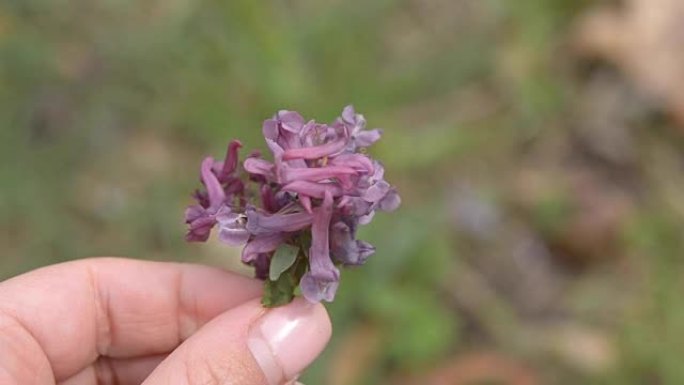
(541, 239)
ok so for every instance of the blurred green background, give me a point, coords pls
(541, 165)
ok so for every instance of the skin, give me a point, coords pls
(121, 321)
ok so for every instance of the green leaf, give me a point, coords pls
(285, 255)
(282, 291)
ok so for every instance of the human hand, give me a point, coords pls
(121, 321)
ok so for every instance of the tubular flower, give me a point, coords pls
(296, 215)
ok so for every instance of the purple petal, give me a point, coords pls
(316, 290)
(234, 187)
(390, 202)
(312, 189)
(276, 150)
(305, 201)
(230, 163)
(355, 206)
(376, 192)
(349, 115)
(290, 120)
(268, 200)
(259, 223)
(358, 162)
(345, 249)
(366, 138)
(365, 250)
(314, 174)
(200, 228)
(322, 279)
(214, 189)
(231, 227)
(262, 264)
(270, 129)
(316, 152)
(193, 212)
(261, 244)
(366, 219)
(259, 167)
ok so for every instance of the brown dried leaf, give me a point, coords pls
(644, 38)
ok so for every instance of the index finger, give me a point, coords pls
(77, 311)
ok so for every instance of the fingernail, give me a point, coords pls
(285, 340)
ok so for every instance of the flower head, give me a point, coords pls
(318, 188)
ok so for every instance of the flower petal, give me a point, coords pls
(358, 162)
(261, 244)
(376, 192)
(366, 138)
(316, 290)
(259, 223)
(290, 120)
(316, 152)
(390, 202)
(259, 167)
(214, 189)
(314, 174)
(231, 161)
(232, 229)
(200, 228)
(322, 279)
(312, 189)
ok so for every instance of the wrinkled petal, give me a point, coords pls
(232, 229)
(261, 244)
(259, 223)
(316, 152)
(214, 189)
(312, 189)
(316, 290)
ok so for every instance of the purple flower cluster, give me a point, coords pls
(320, 186)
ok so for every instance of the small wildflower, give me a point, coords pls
(309, 200)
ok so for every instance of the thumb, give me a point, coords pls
(249, 345)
